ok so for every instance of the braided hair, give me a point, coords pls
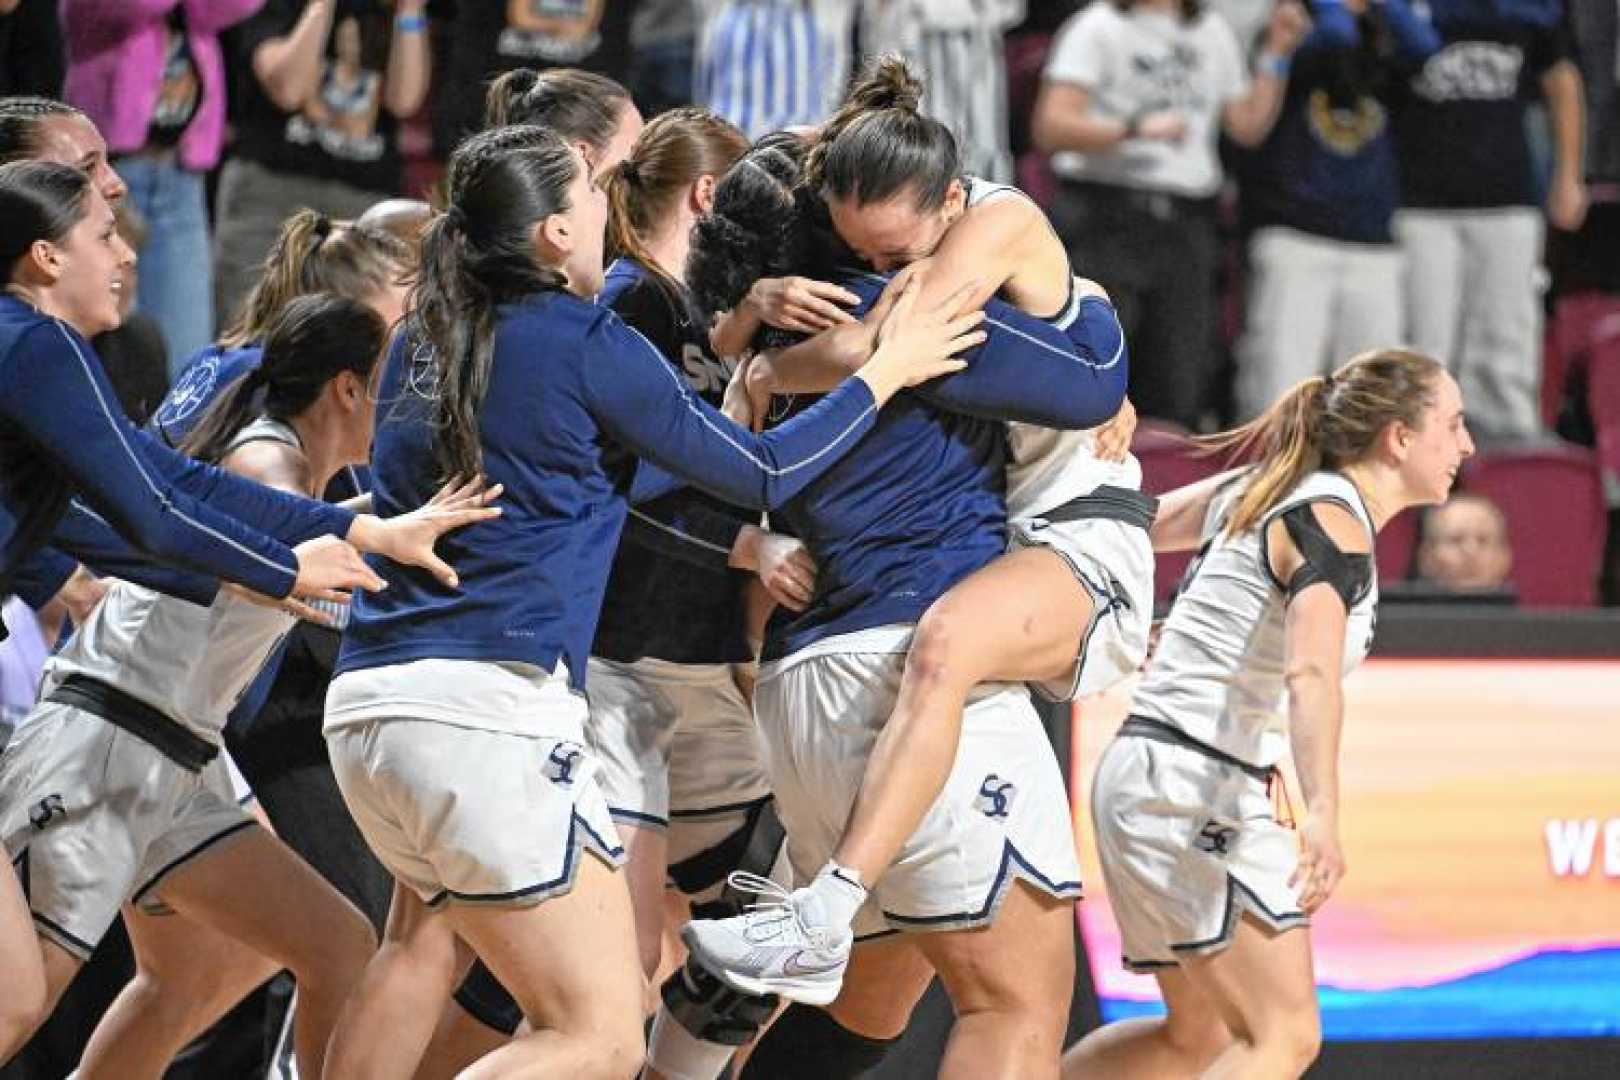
(478, 255)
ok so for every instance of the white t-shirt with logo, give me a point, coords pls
(1139, 61)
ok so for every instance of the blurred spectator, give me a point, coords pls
(663, 53)
(151, 76)
(770, 64)
(956, 45)
(31, 57)
(1471, 231)
(1319, 194)
(322, 86)
(134, 354)
(489, 37)
(1135, 98)
(1464, 547)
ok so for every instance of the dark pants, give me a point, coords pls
(1156, 254)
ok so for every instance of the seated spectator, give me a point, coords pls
(1463, 548)
(1135, 98)
(1471, 228)
(1319, 195)
(322, 87)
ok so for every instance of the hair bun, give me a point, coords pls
(889, 84)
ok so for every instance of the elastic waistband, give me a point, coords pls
(1108, 503)
(177, 743)
(1142, 727)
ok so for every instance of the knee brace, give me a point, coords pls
(755, 847)
(806, 1043)
(711, 1010)
(487, 1001)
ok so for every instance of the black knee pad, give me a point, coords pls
(711, 1010)
(753, 847)
(806, 1043)
(487, 1001)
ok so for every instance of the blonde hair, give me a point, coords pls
(1325, 422)
(314, 253)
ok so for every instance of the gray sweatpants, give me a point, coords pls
(1474, 302)
(1313, 304)
(252, 204)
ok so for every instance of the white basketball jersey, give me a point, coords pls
(1217, 673)
(1046, 467)
(189, 662)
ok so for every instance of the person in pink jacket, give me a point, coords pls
(150, 74)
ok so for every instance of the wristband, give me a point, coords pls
(1273, 64)
(410, 24)
(1133, 126)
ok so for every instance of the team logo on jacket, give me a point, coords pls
(995, 797)
(563, 760)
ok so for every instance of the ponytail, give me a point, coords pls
(674, 151)
(581, 106)
(476, 256)
(315, 253)
(1324, 422)
(878, 144)
(316, 338)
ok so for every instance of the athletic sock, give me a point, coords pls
(841, 894)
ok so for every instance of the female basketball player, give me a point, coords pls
(455, 713)
(114, 791)
(592, 111)
(1211, 893)
(1069, 606)
(681, 767)
(313, 253)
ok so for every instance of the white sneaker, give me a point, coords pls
(780, 946)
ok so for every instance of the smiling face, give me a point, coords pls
(892, 234)
(90, 265)
(1436, 448)
(71, 139)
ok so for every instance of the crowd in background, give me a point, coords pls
(1263, 187)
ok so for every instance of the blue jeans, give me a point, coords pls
(176, 283)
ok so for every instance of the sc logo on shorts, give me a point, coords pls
(45, 811)
(562, 761)
(1215, 838)
(995, 797)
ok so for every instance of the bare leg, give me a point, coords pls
(1011, 984)
(458, 1041)
(252, 887)
(647, 856)
(1182, 1043)
(885, 980)
(186, 977)
(1264, 989)
(59, 967)
(571, 964)
(1020, 618)
(23, 1005)
(386, 1025)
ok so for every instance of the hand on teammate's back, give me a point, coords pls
(801, 304)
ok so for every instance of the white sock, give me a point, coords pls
(677, 1054)
(841, 893)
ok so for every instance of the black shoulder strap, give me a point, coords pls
(1349, 573)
